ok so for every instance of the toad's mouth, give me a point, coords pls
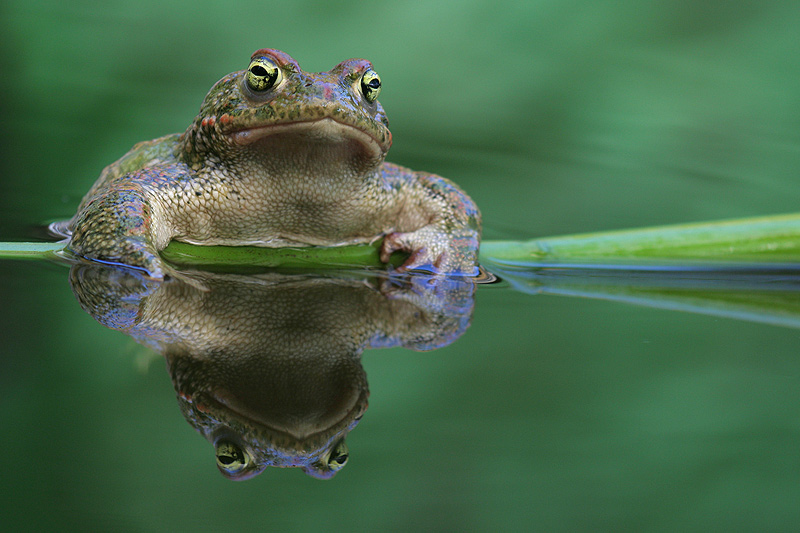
(326, 132)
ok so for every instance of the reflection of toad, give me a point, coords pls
(267, 367)
(277, 157)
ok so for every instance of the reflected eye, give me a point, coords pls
(263, 74)
(371, 85)
(339, 456)
(231, 458)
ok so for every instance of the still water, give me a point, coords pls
(555, 400)
(608, 400)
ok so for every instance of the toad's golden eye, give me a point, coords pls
(263, 74)
(371, 85)
(231, 459)
(338, 457)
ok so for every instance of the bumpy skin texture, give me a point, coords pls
(298, 164)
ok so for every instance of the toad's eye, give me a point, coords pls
(263, 74)
(371, 85)
(338, 457)
(231, 459)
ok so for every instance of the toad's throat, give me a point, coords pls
(301, 419)
(313, 133)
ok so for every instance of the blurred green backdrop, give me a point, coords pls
(557, 117)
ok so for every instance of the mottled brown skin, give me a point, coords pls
(299, 164)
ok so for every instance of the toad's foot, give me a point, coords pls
(432, 249)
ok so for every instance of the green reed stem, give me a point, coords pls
(772, 238)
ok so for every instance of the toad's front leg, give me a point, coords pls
(439, 226)
(121, 225)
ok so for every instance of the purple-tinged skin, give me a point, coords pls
(277, 157)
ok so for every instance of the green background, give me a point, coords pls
(551, 413)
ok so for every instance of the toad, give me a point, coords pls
(277, 157)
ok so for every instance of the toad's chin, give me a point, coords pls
(301, 419)
(333, 138)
